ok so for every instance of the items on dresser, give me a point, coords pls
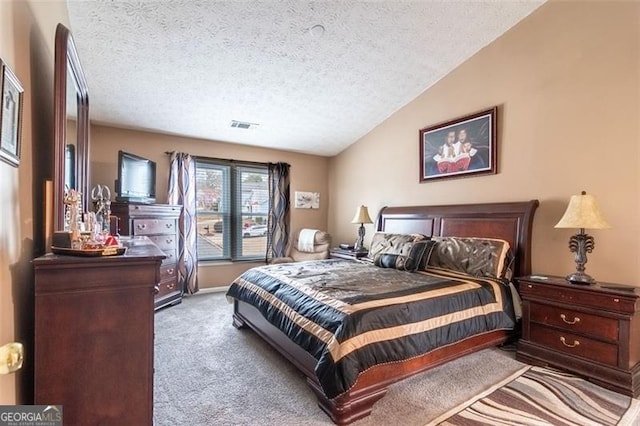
(592, 330)
(94, 334)
(159, 222)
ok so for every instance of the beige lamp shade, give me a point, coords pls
(583, 212)
(362, 215)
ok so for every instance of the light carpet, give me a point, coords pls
(537, 396)
(209, 373)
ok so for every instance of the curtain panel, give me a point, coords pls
(182, 191)
(279, 210)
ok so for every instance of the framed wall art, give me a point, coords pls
(10, 116)
(307, 200)
(462, 147)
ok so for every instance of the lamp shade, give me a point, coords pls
(583, 212)
(362, 215)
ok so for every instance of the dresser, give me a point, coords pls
(159, 222)
(94, 334)
(590, 330)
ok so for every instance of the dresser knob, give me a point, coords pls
(530, 286)
(616, 300)
(156, 289)
(142, 226)
(573, 345)
(564, 318)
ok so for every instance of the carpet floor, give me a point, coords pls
(209, 373)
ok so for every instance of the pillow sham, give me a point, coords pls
(478, 257)
(417, 258)
(389, 243)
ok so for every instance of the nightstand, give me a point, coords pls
(590, 330)
(338, 253)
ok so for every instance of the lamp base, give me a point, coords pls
(580, 278)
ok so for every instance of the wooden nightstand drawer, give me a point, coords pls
(154, 226)
(575, 322)
(559, 291)
(574, 344)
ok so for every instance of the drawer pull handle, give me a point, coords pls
(169, 240)
(171, 286)
(169, 225)
(564, 342)
(529, 286)
(156, 289)
(142, 226)
(170, 271)
(616, 300)
(564, 318)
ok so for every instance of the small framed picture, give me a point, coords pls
(462, 147)
(10, 116)
(307, 200)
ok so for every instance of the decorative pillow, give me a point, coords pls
(392, 243)
(417, 258)
(479, 257)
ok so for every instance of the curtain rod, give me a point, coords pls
(250, 163)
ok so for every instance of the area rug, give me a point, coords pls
(536, 396)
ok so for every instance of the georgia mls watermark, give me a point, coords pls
(30, 415)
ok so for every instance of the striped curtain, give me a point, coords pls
(279, 210)
(182, 191)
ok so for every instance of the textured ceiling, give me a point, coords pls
(189, 67)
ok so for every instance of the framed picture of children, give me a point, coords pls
(463, 147)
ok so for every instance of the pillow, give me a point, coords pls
(417, 258)
(392, 243)
(480, 257)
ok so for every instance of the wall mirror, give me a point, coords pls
(71, 126)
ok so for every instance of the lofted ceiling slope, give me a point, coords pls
(192, 67)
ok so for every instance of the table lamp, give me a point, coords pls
(582, 213)
(361, 217)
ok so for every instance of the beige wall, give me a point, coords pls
(566, 81)
(27, 30)
(308, 173)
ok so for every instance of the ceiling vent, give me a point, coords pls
(243, 125)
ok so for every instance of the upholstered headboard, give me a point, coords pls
(509, 221)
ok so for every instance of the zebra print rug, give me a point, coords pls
(535, 396)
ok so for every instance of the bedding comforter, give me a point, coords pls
(351, 316)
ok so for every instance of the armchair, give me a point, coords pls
(295, 250)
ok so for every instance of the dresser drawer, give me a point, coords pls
(575, 295)
(574, 344)
(167, 287)
(168, 272)
(575, 322)
(171, 257)
(164, 242)
(154, 226)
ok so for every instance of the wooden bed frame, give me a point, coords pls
(509, 221)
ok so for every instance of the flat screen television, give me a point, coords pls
(136, 179)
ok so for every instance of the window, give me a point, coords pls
(232, 206)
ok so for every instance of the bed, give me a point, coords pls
(328, 361)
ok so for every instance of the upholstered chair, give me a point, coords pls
(296, 251)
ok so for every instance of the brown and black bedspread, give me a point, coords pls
(351, 316)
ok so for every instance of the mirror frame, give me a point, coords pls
(67, 64)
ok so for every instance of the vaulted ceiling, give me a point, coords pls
(310, 76)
